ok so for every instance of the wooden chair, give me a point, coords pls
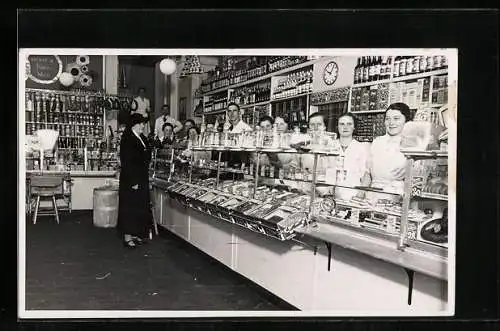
(49, 186)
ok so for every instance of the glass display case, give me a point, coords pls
(284, 181)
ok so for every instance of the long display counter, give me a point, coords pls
(323, 268)
(83, 184)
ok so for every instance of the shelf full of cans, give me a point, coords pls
(419, 87)
(72, 115)
(292, 84)
(252, 93)
(234, 72)
(375, 68)
(216, 103)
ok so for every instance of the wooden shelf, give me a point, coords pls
(68, 112)
(403, 78)
(267, 76)
(215, 112)
(262, 103)
(424, 154)
(58, 123)
(291, 97)
(376, 111)
(434, 196)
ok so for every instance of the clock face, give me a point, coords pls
(330, 73)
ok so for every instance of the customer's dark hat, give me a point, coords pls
(136, 119)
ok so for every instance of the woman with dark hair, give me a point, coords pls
(353, 159)
(134, 213)
(168, 137)
(387, 163)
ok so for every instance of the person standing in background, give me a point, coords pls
(134, 212)
(188, 124)
(111, 123)
(168, 137)
(143, 108)
(166, 118)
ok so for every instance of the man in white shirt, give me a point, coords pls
(166, 118)
(237, 124)
(143, 107)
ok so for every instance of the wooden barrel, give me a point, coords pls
(105, 206)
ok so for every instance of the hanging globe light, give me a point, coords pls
(167, 66)
(66, 79)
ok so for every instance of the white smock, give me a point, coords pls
(352, 164)
(385, 159)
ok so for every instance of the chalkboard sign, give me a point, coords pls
(93, 69)
(44, 69)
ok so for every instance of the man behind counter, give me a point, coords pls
(237, 126)
(166, 118)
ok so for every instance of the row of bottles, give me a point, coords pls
(293, 84)
(66, 130)
(65, 118)
(71, 142)
(281, 62)
(216, 103)
(60, 103)
(374, 68)
(252, 94)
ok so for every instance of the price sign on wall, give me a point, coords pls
(44, 69)
(417, 185)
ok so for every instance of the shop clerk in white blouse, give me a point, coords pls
(387, 163)
(353, 158)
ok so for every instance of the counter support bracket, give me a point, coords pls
(410, 274)
(329, 248)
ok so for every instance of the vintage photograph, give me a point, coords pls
(195, 182)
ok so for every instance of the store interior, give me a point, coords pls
(254, 199)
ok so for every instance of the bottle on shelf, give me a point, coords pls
(409, 65)
(378, 68)
(397, 63)
(371, 68)
(357, 70)
(383, 68)
(430, 63)
(402, 66)
(366, 69)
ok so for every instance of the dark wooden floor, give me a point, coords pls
(75, 265)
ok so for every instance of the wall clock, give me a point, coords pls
(330, 73)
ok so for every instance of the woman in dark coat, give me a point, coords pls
(134, 212)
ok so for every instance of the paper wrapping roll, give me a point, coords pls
(105, 207)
